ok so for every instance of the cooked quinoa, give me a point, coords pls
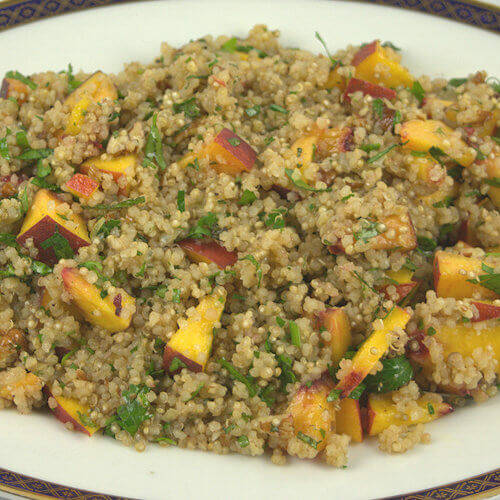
(265, 214)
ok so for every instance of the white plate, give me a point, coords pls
(463, 444)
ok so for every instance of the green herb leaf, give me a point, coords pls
(121, 204)
(204, 226)
(247, 198)
(332, 60)
(195, 393)
(378, 107)
(446, 202)
(4, 147)
(135, 410)
(395, 373)
(181, 202)
(495, 182)
(369, 230)
(382, 153)
(301, 184)
(287, 375)
(108, 226)
(418, 91)
(73, 83)
(236, 375)
(334, 395)
(153, 152)
(369, 147)
(243, 441)
(392, 46)
(456, 82)
(253, 111)
(189, 107)
(275, 219)
(308, 440)
(294, 333)
(426, 245)
(35, 154)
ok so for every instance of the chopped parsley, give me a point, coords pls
(392, 46)
(4, 148)
(236, 375)
(431, 331)
(418, 91)
(253, 111)
(35, 154)
(278, 109)
(301, 184)
(426, 245)
(176, 364)
(195, 393)
(243, 441)
(189, 107)
(490, 279)
(247, 198)
(383, 153)
(456, 82)
(108, 226)
(334, 395)
(287, 375)
(153, 152)
(294, 333)
(176, 296)
(430, 409)
(369, 147)
(234, 141)
(378, 107)
(232, 45)
(204, 226)
(181, 201)
(121, 204)
(446, 202)
(369, 230)
(135, 410)
(322, 42)
(275, 218)
(308, 440)
(73, 83)
(495, 182)
(23, 79)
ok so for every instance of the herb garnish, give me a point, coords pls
(121, 204)
(301, 184)
(247, 198)
(181, 202)
(24, 79)
(258, 270)
(59, 244)
(308, 440)
(418, 91)
(204, 227)
(188, 107)
(236, 375)
(383, 152)
(153, 152)
(490, 279)
(332, 60)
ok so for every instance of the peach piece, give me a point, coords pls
(93, 90)
(113, 312)
(485, 311)
(382, 412)
(429, 171)
(422, 135)
(310, 412)
(452, 273)
(348, 419)
(376, 64)
(14, 88)
(467, 234)
(372, 350)
(399, 233)
(465, 338)
(367, 88)
(43, 221)
(336, 321)
(28, 382)
(11, 342)
(402, 281)
(82, 186)
(119, 167)
(70, 410)
(230, 154)
(191, 344)
(335, 80)
(493, 173)
(208, 250)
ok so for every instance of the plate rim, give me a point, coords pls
(479, 486)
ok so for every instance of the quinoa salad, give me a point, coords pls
(242, 247)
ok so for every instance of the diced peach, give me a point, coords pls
(493, 173)
(82, 186)
(11, 342)
(467, 234)
(422, 135)
(120, 167)
(367, 88)
(402, 281)
(69, 410)
(399, 234)
(429, 171)
(436, 107)
(208, 250)
(348, 419)
(230, 154)
(453, 274)
(382, 412)
(26, 382)
(489, 124)
(336, 321)
(445, 191)
(43, 220)
(192, 342)
(485, 311)
(14, 88)
(113, 312)
(311, 413)
(372, 350)
(335, 80)
(95, 89)
(465, 338)
(376, 64)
